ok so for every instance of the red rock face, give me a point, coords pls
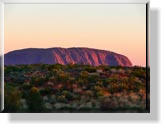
(64, 56)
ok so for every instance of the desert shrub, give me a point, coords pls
(10, 69)
(34, 101)
(93, 79)
(12, 99)
(90, 69)
(84, 74)
(75, 87)
(141, 73)
(114, 88)
(99, 93)
(105, 68)
(89, 93)
(68, 95)
(26, 87)
(58, 66)
(61, 98)
(80, 82)
(99, 82)
(62, 77)
(44, 66)
(71, 80)
(46, 91)
(108, 81)
(106, 104)
(97, 88)
(38, 81)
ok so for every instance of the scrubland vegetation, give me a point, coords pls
(74, 88)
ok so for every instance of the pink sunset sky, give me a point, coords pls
(120, 28)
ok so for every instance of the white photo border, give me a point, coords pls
(77, 116)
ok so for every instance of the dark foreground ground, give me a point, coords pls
(74, 88)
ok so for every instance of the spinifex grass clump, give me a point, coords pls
(74, 88)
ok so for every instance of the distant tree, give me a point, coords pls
(34, 101)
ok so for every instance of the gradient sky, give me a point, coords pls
(120, 28)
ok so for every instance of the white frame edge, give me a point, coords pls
(76, 1)
(116, 116)
(1, 54)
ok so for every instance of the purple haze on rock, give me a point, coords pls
(87, 56)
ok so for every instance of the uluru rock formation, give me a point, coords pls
(87, 56)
